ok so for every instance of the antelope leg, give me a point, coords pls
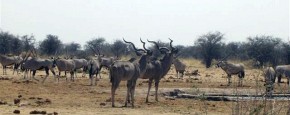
(149, 87)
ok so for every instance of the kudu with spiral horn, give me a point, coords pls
(157, 69)
(129, 71)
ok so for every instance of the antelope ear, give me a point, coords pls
(163, 52)
(149, 52)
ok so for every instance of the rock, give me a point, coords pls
(31, 98)
(109, 100)
(55, 113)
(140, 84)
(167, 80)
(23, 104)
(102, 104)
(48, 101)
(37, 112)
(16, 112)
(19, 96)
(16, 101)
(3, 102)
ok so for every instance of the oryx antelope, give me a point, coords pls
(94, 68)
(283, 70)
(232, 69)
(179, 67)
(269, 75)
(130, 72)
(16, 68)
(107, 61)
(65, 65)
(35, 63)
(157, 69)
(7, 61)
(81, 63)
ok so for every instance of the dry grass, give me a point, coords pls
(79, 98)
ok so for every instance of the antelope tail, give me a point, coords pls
(112, 70)
(91, 71)
(242, 74)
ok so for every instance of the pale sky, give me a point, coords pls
(182, 20)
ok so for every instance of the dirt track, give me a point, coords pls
(79, 98)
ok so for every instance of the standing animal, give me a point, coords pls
(65, 65)
(130, 72)
(94, 68)
(157, 69)
(232, 69)
(7, 61)
(269, 75)
(283, 70)
(35, 63)
(107, 61)
(179, 67)
(81, 63)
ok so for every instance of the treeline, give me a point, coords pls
(265, 49)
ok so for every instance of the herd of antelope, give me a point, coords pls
(144, 67)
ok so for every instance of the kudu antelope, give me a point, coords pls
(130, 72)
(7, 61)
(283, 70)
(179, 67)
(65, 65)
(269, 75)
(232, 69)
(157, 69)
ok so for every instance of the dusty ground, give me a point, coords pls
(66, 97)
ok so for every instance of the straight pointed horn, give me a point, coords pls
(98, 51)
(25, 57)
(93, 50)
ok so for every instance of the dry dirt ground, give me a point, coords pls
(67, 97)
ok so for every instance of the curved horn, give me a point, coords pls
(171, 43)
(164, 48)
(143, 44)
(157, 46)
(133, 46)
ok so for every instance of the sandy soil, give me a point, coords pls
(66, 97)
